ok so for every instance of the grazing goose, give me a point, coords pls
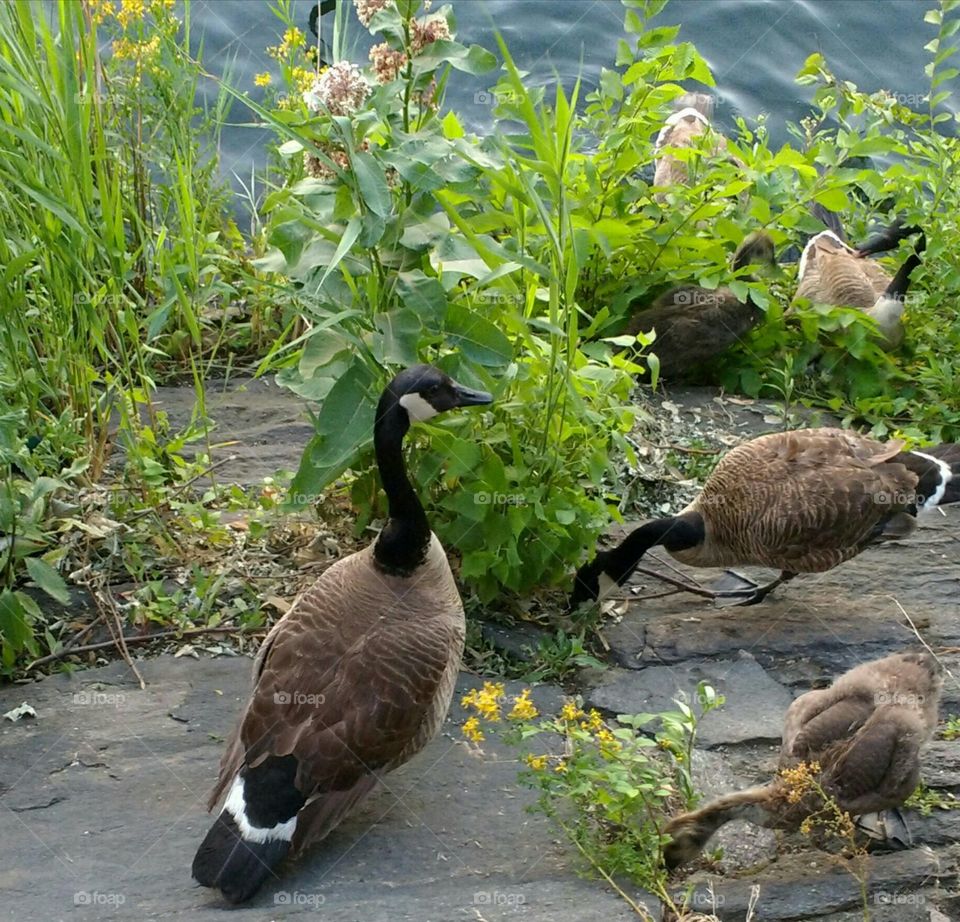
(865, 731)
(694, 324)
(832, 272)
(352, 681)
(683, 128)
(798, 502)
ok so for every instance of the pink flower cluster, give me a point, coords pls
(428, 31)
(366, 9)
(341, 89)
(316, 168)
(387, 63)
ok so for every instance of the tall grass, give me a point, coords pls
(109, 214)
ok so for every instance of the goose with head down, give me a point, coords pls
(832, 272)
(865, 732)
(694, 324)
(352, 681)
(799, 502)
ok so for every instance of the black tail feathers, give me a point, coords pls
(236, 866)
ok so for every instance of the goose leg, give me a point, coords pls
(754, 596)
(888, 828)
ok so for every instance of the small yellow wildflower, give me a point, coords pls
(302, 79)
(293, 38)
(471, 730)
(262, 79)
(570, 712)
(806, 827)
(523, 707)
(100, 10)
(485, 701)
(129, 11)
(593, 722)
(560, 767)
(162, 4)
(537, 763)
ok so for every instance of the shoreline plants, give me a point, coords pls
(391, 233)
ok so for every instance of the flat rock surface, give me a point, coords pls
(104, 791)
(755, 703)
(104, 800)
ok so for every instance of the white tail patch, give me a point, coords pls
(417, 408)
(236, 806)
(809, 249)
(946, 475)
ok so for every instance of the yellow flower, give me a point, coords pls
(100, 10)
(302, 79)
(485, 701)
(262, 79)
(471, 730)
(523, 707)
(129, 11)
(593, 722)
(537, 763)
(293, 38)
(162, 4)
(561, 766)
(570, 712)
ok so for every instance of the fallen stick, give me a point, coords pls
(142, 638)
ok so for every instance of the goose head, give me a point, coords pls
(756, 249)
(423, 391)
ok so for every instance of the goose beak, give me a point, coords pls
(468, 397)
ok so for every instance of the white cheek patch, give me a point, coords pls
(236, 807)
(417, 408)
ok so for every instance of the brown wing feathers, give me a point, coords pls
(865, 732)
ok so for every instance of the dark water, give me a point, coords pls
(754, 48)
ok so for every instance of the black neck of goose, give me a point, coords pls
(675, 533)
(900, 283)
(402, 545)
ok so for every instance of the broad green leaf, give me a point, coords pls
(372, 183)
(344, 427)
(48, 579)
(477, 337)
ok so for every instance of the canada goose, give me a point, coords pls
(683, 128)
(352, 681)
(832, 272)
(865, 731)
(694, 324)
(799, 502)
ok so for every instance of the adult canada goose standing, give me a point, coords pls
(694, 324)
(798, 502)
(352, 681)
(684, 128)
(865, 731)
(832, 272)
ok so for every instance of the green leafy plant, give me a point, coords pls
(610, 787)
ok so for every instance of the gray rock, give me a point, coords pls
(754, 708)
(806, 886)
(106, 794)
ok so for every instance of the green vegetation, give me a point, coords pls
(609, 787)
(390, 234)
